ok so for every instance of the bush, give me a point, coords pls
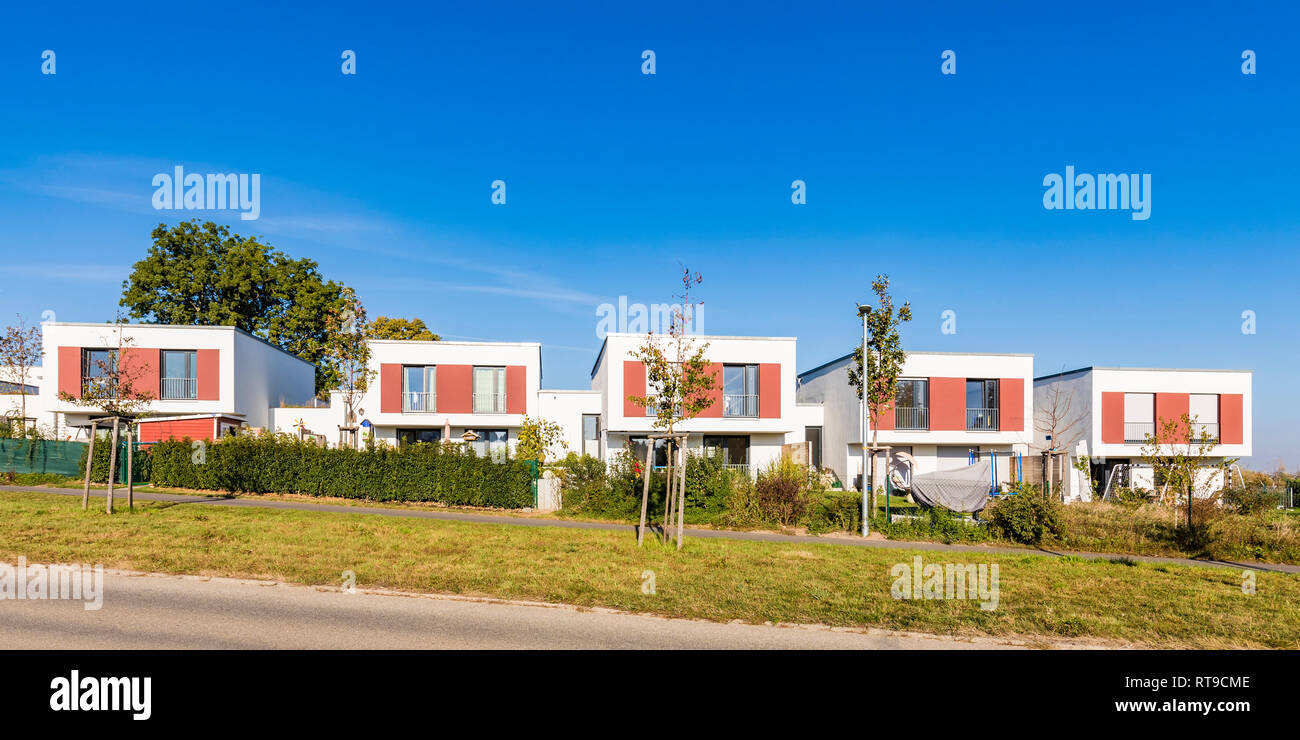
(1133, 496)
(141, 465)
(834, 510)
(1025, 517)
(935, 523)
(449, 474)
(780, 493)
(1249, 500)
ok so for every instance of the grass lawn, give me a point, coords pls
(1169, 606)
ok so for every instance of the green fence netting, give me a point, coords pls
(40, 456)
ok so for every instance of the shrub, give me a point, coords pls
(1249, 500)
(934, 523)
(780, 493)
(1025, 517)
(141, 465)
(834, 510)
(1133, 496)
(449, 474)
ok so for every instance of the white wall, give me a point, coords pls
(1144, 380)
(567, 408)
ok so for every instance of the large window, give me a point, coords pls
(490, 443)
(98, 371)
(636, 446)
(409, 436)
(180, 375)
(734, 449)
(982, 405)
(1139, 417)
(912, 404)
(489, 390)
(419, 388)
(813, 435)
(591, 434)
(1203, 409)
(740, 390)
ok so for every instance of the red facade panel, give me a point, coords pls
(714, 409)
(142, 368)
(769, 390)
(390, 388)
(516, 389)
(1011, 404)
(159, 431)
(1231, 419)
(633, 385)
(455, 389)
(1172, 407)
(70, 371)
(1112, 417)
(209, 374)
(947, 404)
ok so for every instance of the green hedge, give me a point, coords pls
(140, 467)
(417, 472)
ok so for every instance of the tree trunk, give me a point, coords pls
(90, 462)
(681, 503)
(645, 493)
(112, 466)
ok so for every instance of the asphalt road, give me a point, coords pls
(180, 612)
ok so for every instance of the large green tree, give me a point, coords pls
(201, 274)
(385, 327)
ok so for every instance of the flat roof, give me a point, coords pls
(849, 356)
(235, 329)
(705, 337)
(1090, 368)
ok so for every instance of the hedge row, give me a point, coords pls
(418, 472)
(99, 470)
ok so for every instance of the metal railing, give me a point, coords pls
(739, 405)
(419, 402)
(1211, 430)
(982, 420)
(738, 467)
(183, 389)
(911, 417)
(1136, 432)
(489, 403)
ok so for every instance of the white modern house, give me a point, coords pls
(950, 410)
(429, 391)
(1114, 410)
(204, 380)
(752, 416)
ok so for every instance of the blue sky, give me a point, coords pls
(614, 177)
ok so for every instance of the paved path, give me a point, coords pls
(180, 612)
(848, 541)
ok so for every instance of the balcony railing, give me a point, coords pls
(981, 420)
(1211, 430)
(911, 417)
(738, 467)
(739, 405)
(419, 402)
(180, 389)
(1136, 432)
(489, 403)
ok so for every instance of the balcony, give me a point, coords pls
(489, 403)
(180, 389)
(1136, 432)
(981, 420)
(739, 405)
(419, 402)
(912, 417)
(1209, 429)
(737, 467)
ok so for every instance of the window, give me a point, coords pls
(419, 384)
(489, 390)
(411, 436)
(740, 390)
(982, 405)
(180, 375)
(637, 447)
(813, 435)
(1203, 409)
(490, 443)
(1139, 417)
(98, 371)
(912, 405)
(734, 449)
(591, 434)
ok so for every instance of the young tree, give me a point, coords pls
(348, 350)
(1061, 424)
(679, 385)
(114, 386)
(384, 327)
(1176, 455)
(877, 383)
(20, 351)
(201, 274)
(540, 440)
